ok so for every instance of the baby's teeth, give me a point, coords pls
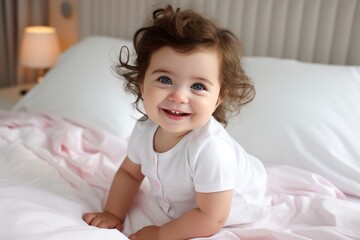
(177, 113)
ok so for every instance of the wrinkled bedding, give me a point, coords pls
(53, 170)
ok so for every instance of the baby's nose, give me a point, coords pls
(179, 95)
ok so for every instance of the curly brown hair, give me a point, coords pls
(186, 31)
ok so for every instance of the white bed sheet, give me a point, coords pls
(52, 171)
(45, 182)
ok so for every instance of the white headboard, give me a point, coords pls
(322, 31)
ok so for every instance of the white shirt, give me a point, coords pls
(207, 159)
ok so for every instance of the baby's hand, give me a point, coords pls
(146, 233)
(103, 220)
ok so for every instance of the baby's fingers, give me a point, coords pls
(93, 219)
(88, 217)
(133, 236)
(103, 220)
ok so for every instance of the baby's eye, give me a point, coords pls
(165, 80)
(198, 86)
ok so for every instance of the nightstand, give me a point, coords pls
(9, 96)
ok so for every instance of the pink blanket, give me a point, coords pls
(53, 170)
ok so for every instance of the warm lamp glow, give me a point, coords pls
(40, 47)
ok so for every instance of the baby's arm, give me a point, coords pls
(205, 220)
(124, 187)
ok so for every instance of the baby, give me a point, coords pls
(187, 78)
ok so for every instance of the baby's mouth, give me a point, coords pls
(176, 113)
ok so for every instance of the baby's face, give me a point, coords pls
(181, 91)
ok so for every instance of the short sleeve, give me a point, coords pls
(133, 142)
(215, 166)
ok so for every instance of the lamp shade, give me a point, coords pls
(40, 47)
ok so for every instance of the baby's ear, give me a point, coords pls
(141, 87)
(219, 101)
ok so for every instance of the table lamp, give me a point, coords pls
(40, 49)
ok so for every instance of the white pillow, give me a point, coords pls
(305, 115)
(83, 88)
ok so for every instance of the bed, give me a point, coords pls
(62, 143)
